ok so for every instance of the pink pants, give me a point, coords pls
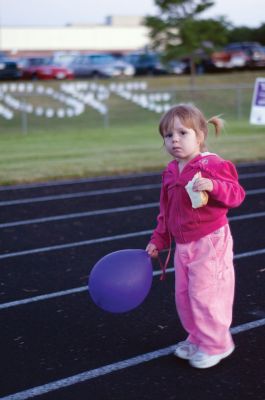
(204, 290)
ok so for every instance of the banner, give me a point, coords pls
(257, 115)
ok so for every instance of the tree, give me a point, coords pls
(259, 34)
(241, 34)
(178, 31)
(247, 34)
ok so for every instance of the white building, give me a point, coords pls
(119, 34)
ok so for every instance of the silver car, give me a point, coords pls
(100, 65)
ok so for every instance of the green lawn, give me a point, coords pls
(82, 146)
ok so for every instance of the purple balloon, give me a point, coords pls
(120, 281)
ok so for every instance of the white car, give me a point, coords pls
(100, 65)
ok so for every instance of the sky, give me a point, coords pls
(250, 13)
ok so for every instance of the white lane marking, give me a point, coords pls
(252, 175)
(43, 297)
(255, 191)
(248, 326)
(75, 244)
(107, 211)
(79, 194)
(109, 368)
(105, 239)
(79, 289)
(79, 181)
(111, 178)
(94, 193)
(250, 164)
(247, 216)
(249, 254)
(79, 215)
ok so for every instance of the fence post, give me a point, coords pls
(24, 118)
(239, 102)
(106, 119)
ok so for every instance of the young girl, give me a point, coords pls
(204, 273)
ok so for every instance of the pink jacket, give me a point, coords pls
(177, 218)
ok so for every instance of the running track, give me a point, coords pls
(57, 345)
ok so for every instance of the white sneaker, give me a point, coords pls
(204, 360)
(185, 350)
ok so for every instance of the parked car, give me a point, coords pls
(253, 51)
(146, 63)
(9, 69)
(43, 68)
(100, 65)
(177, 67)
(240, 55)
(64, 58)
(229, 60)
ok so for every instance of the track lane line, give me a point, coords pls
(89, 193)
(105, 239)
(80, 181)
(75, 244)
(77, 181)
(86, 214)
(79, 194)
(79, 215)
(80, 289)
(114, 367)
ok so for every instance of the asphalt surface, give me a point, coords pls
(56, 344)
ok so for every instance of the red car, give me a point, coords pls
(229, 59)
(43, 68)
(240, 55)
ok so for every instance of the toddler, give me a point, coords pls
(203, 260)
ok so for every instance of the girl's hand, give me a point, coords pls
(152, 250)
(202, 184)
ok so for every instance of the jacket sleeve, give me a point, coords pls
(226, 188)
(161, 236)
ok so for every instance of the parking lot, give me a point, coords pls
(56, 344)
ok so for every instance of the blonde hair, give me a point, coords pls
(191, 117)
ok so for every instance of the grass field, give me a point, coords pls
(82, 146)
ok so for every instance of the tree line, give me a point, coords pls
(246, 34)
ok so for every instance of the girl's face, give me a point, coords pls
(182, 142)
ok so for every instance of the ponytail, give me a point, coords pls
(218, 124)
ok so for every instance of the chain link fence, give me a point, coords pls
(36, 107)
